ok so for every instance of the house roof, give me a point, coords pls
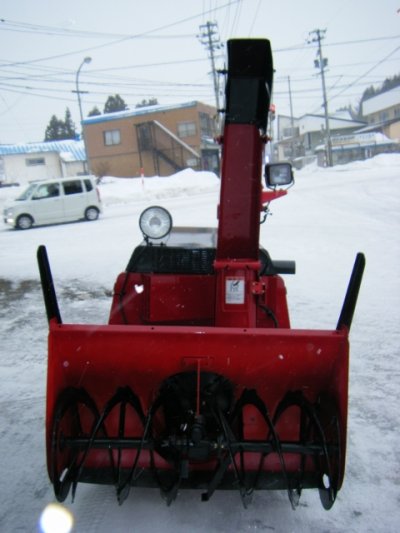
(136, 112)
(69, 150)
(313, 122)
(381, 101)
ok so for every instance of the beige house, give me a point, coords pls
(154, 140)
(382, 113)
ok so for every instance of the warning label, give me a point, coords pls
(234, 290)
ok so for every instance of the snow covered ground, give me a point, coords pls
(328, 217)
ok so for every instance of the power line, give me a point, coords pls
(50, 93)
(50, 72)
(255, 16)
(302, 46)
(41, 72)
(22, 27)
(129, 37)
(365, 73)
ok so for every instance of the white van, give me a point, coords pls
(54, 201)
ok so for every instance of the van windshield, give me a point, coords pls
(27, 192)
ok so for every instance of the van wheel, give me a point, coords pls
(24, 222)
(91, 213)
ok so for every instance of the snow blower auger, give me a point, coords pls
(198, 380)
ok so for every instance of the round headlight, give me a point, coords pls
(155, 222)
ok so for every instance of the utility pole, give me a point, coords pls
(210, 39)
(321, 63)
(291, 121)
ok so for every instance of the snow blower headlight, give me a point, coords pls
(278, 175)
(155, 222)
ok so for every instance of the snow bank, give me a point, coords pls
(184, 183)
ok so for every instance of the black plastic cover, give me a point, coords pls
(161, 259)
(249, 83)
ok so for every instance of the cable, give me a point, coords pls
(255, 17)
(303, 46)
(129, 37)
(365, 74)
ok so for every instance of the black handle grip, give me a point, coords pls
(350, 301)
(46, 278)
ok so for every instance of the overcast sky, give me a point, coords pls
(150, 49)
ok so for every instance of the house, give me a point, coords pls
(22, 163)
(356, 147)
(382, 112)
(298, 137)
(153, 140)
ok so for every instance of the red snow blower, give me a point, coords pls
(198, 380)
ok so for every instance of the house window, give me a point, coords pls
(383, 115)
(291, 132)
(34, 161)
(112, 137)
(186, 129)
(144, 136)
(287, 152)
(206, 125)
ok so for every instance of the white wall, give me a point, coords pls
(17, 170)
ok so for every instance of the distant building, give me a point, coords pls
(22, 163)
(156, 140)
(356, 147)
(299, 141)
(381, 134)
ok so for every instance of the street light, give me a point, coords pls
(87, 60)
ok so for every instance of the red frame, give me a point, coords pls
(272, 361)
(163, 324)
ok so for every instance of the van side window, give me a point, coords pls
(88, 185)
(72, 187)
(46, 191)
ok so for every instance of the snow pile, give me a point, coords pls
(184, 183)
